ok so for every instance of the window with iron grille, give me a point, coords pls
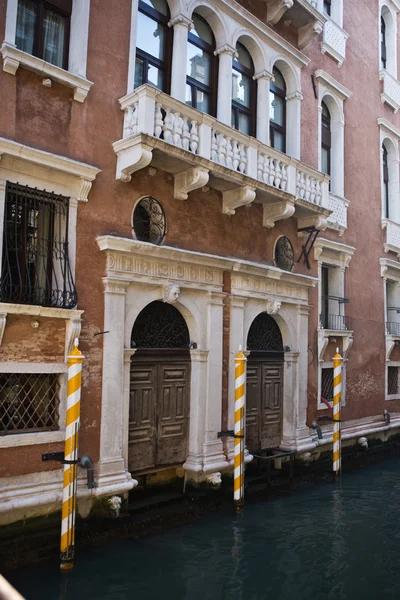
(35, 262)
(29, 402)
(393, 381)
(327, 384)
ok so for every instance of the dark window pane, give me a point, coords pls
(277, 109)
(279, 82)
(327, 384)
(202, 30)
(198, 64)
(244, 123)
(325, 161)
(155, 77)
(54, 37)
(150, 36)
(244, 57)
(278, 141)
(241, 88)
(138, 73)
(393, 380)
(203, 101)
(26, 23)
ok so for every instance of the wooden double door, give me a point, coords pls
(158, 409)
(264, 396)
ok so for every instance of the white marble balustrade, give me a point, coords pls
(150, 111)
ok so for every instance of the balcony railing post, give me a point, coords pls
(292, 179)
(251, 169)
(146, 109)
(205, 128)
(325, 193)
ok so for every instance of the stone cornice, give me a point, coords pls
(86, 173)
(333, 84)
(388, 127)
(343, 251)
(144, 251)
(40, 311)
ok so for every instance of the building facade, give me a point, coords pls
(178, 179)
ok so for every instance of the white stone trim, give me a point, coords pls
(330, 82)
(334, 253)
(388, 9)
(390, 136)
(334, 41)
(31, 367)
(388, 128)
(31, 439)
(75, 77)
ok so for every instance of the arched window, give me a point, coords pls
(383, 43)
(243, 92)
(201, 67)
(325, 140)
(277, 112)
(153, 44)
(386, 195)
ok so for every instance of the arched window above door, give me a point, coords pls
(160, 325)
(264, 335)
(201, 85)
(243, 92)
(153, 44)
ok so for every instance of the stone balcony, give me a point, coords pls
(306, 15)
(334, 41)
(391, 90)
(337, 220)
(392, 243)
(200, 151)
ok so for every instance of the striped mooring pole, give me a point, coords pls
(67, 546)
(337, 396)
(240, 396)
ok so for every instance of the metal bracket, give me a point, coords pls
(329, 419)
(59, 457)
(308, 246)
(230, 433)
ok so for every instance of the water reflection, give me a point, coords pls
(332, 541)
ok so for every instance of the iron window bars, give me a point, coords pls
(327, 383)
(35, 261)
(29, 402)
(393, 380)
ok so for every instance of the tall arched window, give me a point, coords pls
(153, 44)
(243, 92)
(383, 43)
(201, 85)
(325, 140)
(277, 112)
(386, 196)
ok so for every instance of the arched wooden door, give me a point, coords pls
(264, 392)
(159, 388)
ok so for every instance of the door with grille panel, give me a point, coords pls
(158, 413)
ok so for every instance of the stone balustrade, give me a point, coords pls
(338, 217)
(152, 112)
(391, 90)
(392, 235)
(334, 41)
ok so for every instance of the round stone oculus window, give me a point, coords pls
(149, 223)
(284, 255)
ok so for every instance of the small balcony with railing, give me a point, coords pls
(393, 321)
(198, 150)
(332, 317)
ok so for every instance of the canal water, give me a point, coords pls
(329, 541)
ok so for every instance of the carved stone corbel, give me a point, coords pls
(232, 199)
(189, 180)
(347, 344)
(308, 32)
(3, 319)
(73, 330)
(390, 344)
(276, 9)
(276, 212)
(320, 222)
(323, 340)
(131, 159)
(84, 190)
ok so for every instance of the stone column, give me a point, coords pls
(214, 458)
(182, 26)
(11, 21)
(224, 105)
(111, 463)
(263, 82)
(128, 353)
(293, 124)
(290, 400)
(198, 401)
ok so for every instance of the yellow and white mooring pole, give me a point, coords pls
(240, 396)
(337, 396)
(67, 547)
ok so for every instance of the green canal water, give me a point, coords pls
(330, 541)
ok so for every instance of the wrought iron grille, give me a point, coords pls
(149, 221)
(264, 335)
(160, 325)
(28, 402)
(284, 255)
(327, 384)
(335, 322)
(393, 328)
(35, 264)
(393, 380)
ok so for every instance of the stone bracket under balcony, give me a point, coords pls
(303, 14)
(391, 341)
(323, 340)
(198, 151)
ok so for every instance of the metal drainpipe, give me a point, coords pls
(86, 463)
(315, 426)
